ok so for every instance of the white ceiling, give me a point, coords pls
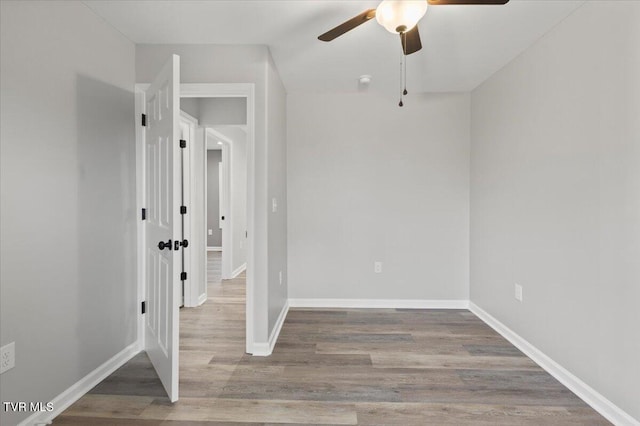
(462, 45)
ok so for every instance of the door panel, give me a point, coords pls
(162, 186)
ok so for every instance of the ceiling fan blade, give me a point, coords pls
(478, 2)
(348, 25)
(411, 41)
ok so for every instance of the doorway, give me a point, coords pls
(226, 195)
(194, 181)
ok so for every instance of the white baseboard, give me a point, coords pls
(240, 269)
(379, 303)
(214, 248)
(265, 349)
(602, 405)
(82, 386)
(202, 298)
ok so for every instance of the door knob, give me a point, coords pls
(162, 245)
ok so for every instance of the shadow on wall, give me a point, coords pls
(106, 211)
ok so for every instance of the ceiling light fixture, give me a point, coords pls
(400, 16)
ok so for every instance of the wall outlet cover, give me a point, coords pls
(7, 357)
(518, 292)
(377, 267)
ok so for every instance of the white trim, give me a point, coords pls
(602, 405)
(214, 248)
(217, 90)
(266, 349)
(379, 303)
(191, 286)
(202, 298)
(188, 117)
(140, 204)
(81, 387)
(240, 269)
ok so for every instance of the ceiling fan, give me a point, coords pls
(400, 17)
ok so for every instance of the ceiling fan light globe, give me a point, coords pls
(400, 15)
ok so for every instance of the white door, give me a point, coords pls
(163, 225)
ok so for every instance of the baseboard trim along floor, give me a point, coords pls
(379, 303)
(590, 396)
(82, 386)
(265, 349)
(240, 269)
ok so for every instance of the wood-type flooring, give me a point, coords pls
(335, 366)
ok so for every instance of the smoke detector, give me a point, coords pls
(364, 80)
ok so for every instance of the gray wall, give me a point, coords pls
(276, 189)
(191, 106)
(369, 181)
(555, 197)
(239, 64)
(225, 111)
(216, 111)
(68, 216)
(213, 198)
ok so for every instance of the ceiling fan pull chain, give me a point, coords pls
(404, 51)
(400, 104)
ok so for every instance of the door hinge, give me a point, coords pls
(144, 307)
(144, 120)
(183, 143)
(144, 214)
(183, 276)
(183, 209)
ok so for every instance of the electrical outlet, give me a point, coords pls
(280, 277)
(210, 231)
(377, 267)
(518, 292)
(274, 205)
(7, 357)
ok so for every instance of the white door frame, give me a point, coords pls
(190, 285)
(203, 90)
(227, 227)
